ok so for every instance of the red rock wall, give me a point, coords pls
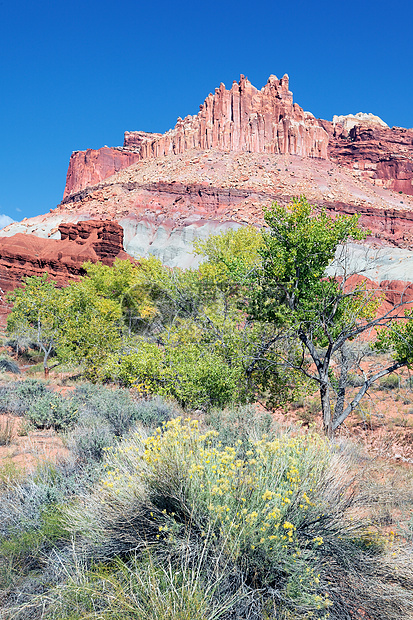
(240, 119)
(92, 166)
(383, 155)
(26, 255)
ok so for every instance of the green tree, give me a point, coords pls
(325, 313)
(132, 285)
(36, 315)
(90, 327)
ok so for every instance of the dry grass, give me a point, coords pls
(7, 430)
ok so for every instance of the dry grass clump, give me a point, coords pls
(6, 430)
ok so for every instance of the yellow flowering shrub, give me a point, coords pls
(251, 502)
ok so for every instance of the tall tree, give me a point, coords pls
(325, 313)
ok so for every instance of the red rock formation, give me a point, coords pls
(92, 166)
(26, 255)
(383, 155)
(240, 119)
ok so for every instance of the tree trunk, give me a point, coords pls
(326, 408)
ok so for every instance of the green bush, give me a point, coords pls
(52, 411)
(192, 374)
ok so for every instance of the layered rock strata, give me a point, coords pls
(92, 166)
(27, 255)
(380, 154)
(242, 119)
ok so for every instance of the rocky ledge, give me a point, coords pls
(27, 255)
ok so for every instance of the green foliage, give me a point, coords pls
(89, 329)
(399, 339)
(231, 256)
(24, 551)
(52, 411)
(133, 287)
(297, 248)
(195, 376)
(35, 314)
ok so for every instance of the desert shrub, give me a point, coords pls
(24, 551)
(389, 382)
(283, 512)
(8, 365)
(52, 411)
(6, 431)
(153, 412)
(117, 408)
(32, 529)
(11, 474)
(17, 397)
(354, 380)
(25, 497)
(88, 440)
(240, 423)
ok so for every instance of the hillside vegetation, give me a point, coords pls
(177, 495)
(158, 515)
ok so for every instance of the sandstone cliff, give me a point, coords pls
(242, 119)
(378, 153)
(27, 255)
(92, 166)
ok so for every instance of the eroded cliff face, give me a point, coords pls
(380, 154)
(27, 255)
(89, 167)
(245, 119)
(242, 119)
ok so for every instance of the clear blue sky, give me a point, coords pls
(78, 74)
